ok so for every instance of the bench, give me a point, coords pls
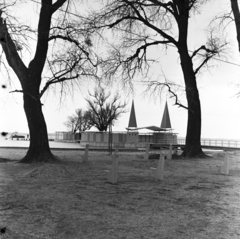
(169, 154)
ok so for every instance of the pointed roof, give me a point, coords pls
(132, 120)
(166, 123)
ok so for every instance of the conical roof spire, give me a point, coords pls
(166, 123)
(132, 120)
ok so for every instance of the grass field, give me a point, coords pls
(74, 200)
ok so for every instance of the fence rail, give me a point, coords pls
(216, 142)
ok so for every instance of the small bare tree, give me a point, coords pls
(104, 111)
(78, 122)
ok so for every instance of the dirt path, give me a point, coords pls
(74, 200)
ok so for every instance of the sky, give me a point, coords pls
(218, 87)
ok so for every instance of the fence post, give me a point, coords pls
(113, 173)
(225, 167)
(85, 156)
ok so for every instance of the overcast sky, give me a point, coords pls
(217, 88)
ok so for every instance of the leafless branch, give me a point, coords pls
(155, 86)
(215, 47)
(174, 95)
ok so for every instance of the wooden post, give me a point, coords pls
(159, 171)
(225, 167)
(175, 150)
(169, 156)
(147, 152)
(85, 156)
(113, 173)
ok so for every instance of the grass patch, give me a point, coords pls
(74, 199)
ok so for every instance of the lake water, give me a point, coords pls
(6, 142)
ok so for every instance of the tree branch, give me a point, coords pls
(164, 5)
(111, 25)
(147, 23)
(144, 47)
(57, 5)
(37, 63)
(177, 102)
(210, 52)
(44, 24)
(76, 42)
(10, 50)
(202, 64)
(156, 85)
(196, 51)
(54, 81)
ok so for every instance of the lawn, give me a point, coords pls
(74, 200)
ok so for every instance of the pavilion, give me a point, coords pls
(132, 138)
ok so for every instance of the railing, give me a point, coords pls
(231, 143)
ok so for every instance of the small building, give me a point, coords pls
(64, 136)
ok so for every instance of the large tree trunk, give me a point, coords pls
(39, 150)
(193, 137)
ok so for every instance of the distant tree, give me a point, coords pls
(103, 110)
(143, 24)
(78, 122)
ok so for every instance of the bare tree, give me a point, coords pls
(144, 24)
(103, 110)
(73, 59)
(78, 122)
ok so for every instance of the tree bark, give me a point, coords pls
(39, 150)
(193, 137)
(236, 13)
